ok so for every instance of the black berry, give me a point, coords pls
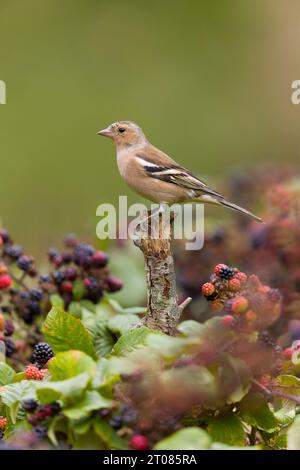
(42, 353)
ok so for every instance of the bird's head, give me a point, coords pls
(124, 133)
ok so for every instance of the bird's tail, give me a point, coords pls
(237, 208)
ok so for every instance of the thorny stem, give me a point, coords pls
(274, 393)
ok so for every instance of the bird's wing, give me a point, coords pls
(160, 166)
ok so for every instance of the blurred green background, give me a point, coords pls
(209, 82)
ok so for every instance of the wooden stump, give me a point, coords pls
(154, 237)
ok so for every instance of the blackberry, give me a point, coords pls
(45, 278)
(55, 407)
(53, 253)
(226, 273)
(10, 347)
(24, 295)
(40, 431)
(42, 353)
(70, 274)
(34, 308)
(67, 257)
(29, 405)
(25, 262)
(71, 240)
(13, 251)
(36, 294)
(114, 284)
(4, 235)
(116, 422)
(58, 277)
(1, 434)
(9, 328)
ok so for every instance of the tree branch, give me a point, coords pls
(153, 236)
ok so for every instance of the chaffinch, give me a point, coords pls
(154, 175)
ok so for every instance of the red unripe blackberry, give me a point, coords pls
(99, 259)
(42, 352)
(5, 281)
(3, 422)
(33, 373)
(208, 289)
(70, 273)
(264, 289)
(239, 305)
(1, 241)
(254, 281)
(265, 380)
(217, 305)
(250, 315)
(242, 277)
(139, 442)
(234, 285)
(287, 353)
(67, 286)
(228, 321)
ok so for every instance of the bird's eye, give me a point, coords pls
(121, 130)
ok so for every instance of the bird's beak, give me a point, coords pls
(105, 132)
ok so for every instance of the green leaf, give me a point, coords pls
(68, 364)
(227, 429)
(255, 410)
(190, 327)
(75, 309)
(121, 324)
(285, 410)
(108, 435)
(132, 340)
(186, 439)
(12, 394)
(56, 301)
(293, 435)
(65, 332)
(7, 374)
(78, 289)
(91, 401)
(64, 389)
(234, 378)
(104, 340)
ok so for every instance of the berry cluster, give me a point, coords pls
(242, 299)
(78, 272)
(39, 415)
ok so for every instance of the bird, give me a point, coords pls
(157, 177)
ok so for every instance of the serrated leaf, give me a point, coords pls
(121, 324)
(75, 309)
(7, 374)
(65, 332)
(65, 389)
(56, 301)
(132, 340)
(227, 429)
(12, 394)
(90, 402)
(108, 435)
(255, 411)
(285, 410)
(186, 439)
(71, 363)
(104, 339)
